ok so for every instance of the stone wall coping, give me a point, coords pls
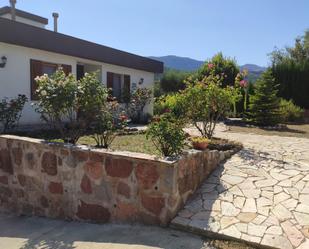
(125, 154)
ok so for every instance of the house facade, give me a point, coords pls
(30, 50)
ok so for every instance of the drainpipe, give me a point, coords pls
(13, 11)
(55, 16)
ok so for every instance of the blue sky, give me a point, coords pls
(245, 29)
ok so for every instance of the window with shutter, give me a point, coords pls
(38, 68)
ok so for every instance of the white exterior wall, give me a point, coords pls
(15, 76)
(24, 20)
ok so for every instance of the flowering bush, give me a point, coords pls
(167, 135)
(242, 83)
(69, 105)
(206, 102)
(219, 65)
(10, 111)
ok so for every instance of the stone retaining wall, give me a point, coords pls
(75, 182)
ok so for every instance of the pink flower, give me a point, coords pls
(167, 110)
(210, 65)
(243, 83)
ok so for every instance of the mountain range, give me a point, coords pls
(189, 64)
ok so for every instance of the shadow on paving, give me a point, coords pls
(31, 232)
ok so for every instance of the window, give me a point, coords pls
(38, 68)
(120, 85)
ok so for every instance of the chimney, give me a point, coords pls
(55, 16)
(13, 11)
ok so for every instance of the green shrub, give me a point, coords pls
(173, 103)
(10, 112)
(106, 125)
(173, 80)
(290, 112)
(167, 135)
(138, 100)
(69, 105)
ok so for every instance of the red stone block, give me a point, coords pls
(5, 161)
(126, 212)
(153, 204)
(64, 152)
(4, 180)
(49, 164)
(85, 185)
(121, 168)
(147, 175)
(96, 157)
(19, 193)
(18, 155)
(124, 189)
(93, 212)
(80, 156)
(94, 170)
(55, 188)
(21, 180)
(44, 202)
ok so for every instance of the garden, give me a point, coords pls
(83, 112)
(86, 166)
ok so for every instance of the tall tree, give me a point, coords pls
(264, 103)
(290, 68)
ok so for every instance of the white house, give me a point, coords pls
(28, 49)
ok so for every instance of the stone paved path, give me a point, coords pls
(260, 195)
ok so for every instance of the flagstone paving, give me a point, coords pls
(260, 195)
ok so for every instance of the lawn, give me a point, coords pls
(301, 130)
(134, 143)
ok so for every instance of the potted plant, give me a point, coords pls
(200, 143)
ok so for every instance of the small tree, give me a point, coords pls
(264, 103)
(206, 103)
(167, 135)
(10, 112)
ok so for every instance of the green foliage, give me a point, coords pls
(167, 135)
(173, 103)
(10, 112)
(219, 65)
(69, 105)
(290, 112)
(106, 125)
(290, 68)
(157, 90)
(264, 103)
(206, 102)
(173, 80)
